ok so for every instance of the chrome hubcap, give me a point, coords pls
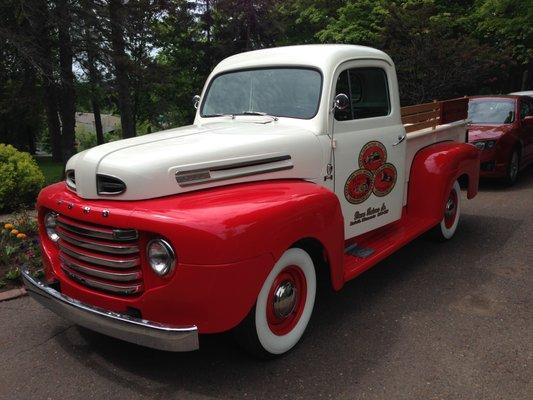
(450, 208)
(284, 299)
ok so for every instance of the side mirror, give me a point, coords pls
(341, 102)
(196, 101)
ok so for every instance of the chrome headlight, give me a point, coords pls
(50, 223)
(160, 256)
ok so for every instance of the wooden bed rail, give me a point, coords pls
(429, 115)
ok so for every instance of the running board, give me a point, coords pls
(371, 249)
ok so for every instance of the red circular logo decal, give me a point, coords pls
(384, 180)
(372, 156)
(358, 186)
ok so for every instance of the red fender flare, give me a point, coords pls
(434, 170)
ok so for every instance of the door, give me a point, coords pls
(526, 127)
(370, 146)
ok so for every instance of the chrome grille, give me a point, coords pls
(102, 258)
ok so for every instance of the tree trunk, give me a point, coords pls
(121, 63)
(94, 76)
(39, 20)
(28, 94)
(97, 122)
(67, 102)
(524, 79)
(52, 118)
(208, 20)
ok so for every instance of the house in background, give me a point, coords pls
(85, 122)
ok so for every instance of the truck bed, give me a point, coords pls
(429, 123)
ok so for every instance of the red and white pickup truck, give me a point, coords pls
(300, 161)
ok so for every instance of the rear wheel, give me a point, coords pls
(512, 168)
(452, 212)
(283, 308)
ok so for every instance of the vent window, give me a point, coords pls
(109, 185)
(71, 179)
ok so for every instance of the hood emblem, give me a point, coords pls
(86, 210)
(105, 213)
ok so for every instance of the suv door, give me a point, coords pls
(526, 110)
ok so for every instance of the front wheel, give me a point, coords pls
(452, 212)
(283, 307)
(512, 168)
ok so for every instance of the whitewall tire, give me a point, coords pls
(452, 213)
(283, 308)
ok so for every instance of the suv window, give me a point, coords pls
(367, 91)
(526, 109)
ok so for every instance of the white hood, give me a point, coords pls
(196, 157)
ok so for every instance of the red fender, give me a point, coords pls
(434, 170)
(226, 240)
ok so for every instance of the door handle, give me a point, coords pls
(401, 138)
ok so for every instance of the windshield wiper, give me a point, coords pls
(220, 115)
(260, 113)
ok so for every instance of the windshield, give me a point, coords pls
(491, 111)
(281, 92)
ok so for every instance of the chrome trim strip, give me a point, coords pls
(120, 326)
(104, 286)
(204, 175)
(110, 275)
(110, 248)
(96, 232)
(98, 260)
(251, 163)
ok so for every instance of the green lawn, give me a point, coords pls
(53, 171)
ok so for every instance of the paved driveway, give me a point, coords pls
(433, 321)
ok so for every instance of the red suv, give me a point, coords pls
(502, 128)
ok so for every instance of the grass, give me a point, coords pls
(52, 170)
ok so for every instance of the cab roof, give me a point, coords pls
(325, 57)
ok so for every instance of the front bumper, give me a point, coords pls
(120, 326)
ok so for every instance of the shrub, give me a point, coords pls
(20, 177)
(85, 139)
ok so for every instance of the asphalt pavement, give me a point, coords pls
(447, 320)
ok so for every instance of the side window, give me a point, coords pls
(525, 109)
(367, 91)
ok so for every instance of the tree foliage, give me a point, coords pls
(145, 59)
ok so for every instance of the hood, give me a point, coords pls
(487, 132)
(196, 157)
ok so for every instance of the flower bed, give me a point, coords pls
(19, 245)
